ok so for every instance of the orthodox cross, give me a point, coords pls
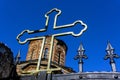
(111, 56)
(55, 27)
(80, 56)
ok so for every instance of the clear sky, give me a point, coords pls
(101, 16)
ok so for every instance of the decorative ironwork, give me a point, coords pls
(17, 58)
(55, 27)
(111, 55)
(80, 56)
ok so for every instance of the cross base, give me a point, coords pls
(49, 71)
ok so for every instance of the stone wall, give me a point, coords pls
(59, 50)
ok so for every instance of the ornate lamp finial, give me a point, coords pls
(80, 56)
(111, 56)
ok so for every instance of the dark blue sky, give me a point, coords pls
(101, 16)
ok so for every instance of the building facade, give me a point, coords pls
(57, 61)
